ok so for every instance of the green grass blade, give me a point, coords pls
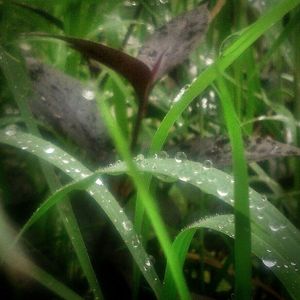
(280, 236)
(20, 87)
(246, 39)
(263, 247)
(274, 231)
(97, 190)
(242, 245)
(146, 198)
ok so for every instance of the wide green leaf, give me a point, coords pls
(66, 163)
(274, 238)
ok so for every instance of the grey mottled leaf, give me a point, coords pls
(62, 102)
(173, 42)
(218, 150)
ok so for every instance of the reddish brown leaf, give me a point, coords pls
(165, 49)
(136, 72)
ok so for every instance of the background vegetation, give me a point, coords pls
(92, 235)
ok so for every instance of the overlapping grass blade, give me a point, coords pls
(227, 57)
(273, 230)
(242, 244)
(275, 239)
(20, 88)
(97, 190)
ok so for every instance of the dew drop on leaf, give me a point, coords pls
(222, 193)
(139, 157)
(99, 182)
(127, 225)
(10, 131)
(207, 164)
(269, 263)
(184, 178)
(162, 155)
(180, 157)
(274, 227)
(49, 150)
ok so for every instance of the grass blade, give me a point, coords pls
(97, 190)
(242, 245)
(246, 39)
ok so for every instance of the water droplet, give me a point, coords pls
(181, 92)
(127, 225)
(11, 130)
(180, 156)
(163, 1)
(99, 182)
(269, 262)
(49, 150)
(135, 242)
(88, 94)
(260, 207)
(139, 157)
(83, 175)
(264, 198)
(207, 164)
(130, 3)
(274, 227)
(222, 193)
(162, 155)
(65, 161)
(24, 148)
(184, 178)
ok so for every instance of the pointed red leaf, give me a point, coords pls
(134, 70)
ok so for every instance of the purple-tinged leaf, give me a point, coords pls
(172, 43)
(165, 49)
(136, 72)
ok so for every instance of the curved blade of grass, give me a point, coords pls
(229, 55)
(20, 87)
(52, 284)
(262, 246)
(97, 190)
(280, 236)
(16, 262)
(242, 245)
(145, 197)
